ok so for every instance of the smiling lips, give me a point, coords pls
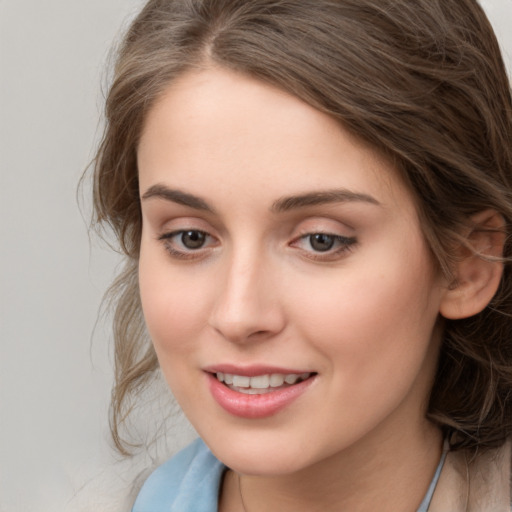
(257, 395)
(260, 384)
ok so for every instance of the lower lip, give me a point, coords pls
(255, 406)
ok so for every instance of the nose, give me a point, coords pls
(247, 307)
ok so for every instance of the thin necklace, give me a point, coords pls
(240, 492)
(245, 509)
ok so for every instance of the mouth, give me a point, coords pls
(261, 384)
(257, 392)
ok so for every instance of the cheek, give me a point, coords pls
(376, 346)
(374, 324)
(173, 306)
(174, 311)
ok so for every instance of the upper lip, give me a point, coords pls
(252, 370)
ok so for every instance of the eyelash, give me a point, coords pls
(187, 254)
(345, 244)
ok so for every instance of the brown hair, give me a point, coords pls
(422, 81)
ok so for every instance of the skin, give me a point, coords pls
(364, 315)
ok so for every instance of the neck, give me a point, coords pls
(392, 475)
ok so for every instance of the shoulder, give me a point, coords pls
(475, 482)
(189, 481)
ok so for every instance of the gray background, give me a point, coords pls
(54, 384)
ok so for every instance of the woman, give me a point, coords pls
(314, 199)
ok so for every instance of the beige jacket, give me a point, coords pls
(479, 485)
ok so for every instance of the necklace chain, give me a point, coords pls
(240, 492)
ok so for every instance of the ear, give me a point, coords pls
(478, 269)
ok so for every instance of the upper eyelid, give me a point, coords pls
(185, 223)
(173, 232)
(350, 239)
(168, 234)
(332, 228)
(309, 226)
(302, 233)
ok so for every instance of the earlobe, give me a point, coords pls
(479, 268)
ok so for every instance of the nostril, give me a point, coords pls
(258, 333)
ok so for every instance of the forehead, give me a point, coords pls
(234, 132)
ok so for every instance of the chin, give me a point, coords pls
(263, 453)
(263, 463)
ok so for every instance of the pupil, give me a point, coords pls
(321, 242)
(193, 239)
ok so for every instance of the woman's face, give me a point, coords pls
(285, 258)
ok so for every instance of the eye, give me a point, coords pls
(321, 242)
(193, 239)
(324, 246)
(187, 243)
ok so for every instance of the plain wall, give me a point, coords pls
(54, 384)
(55, 375)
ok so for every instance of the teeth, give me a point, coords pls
(291, 379)
(276, 380)
(241, 381)
(260, 381)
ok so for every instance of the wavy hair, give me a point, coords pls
(422, 81)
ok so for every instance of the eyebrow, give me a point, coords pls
(282, 204)
(177, 196)
(285, 204)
